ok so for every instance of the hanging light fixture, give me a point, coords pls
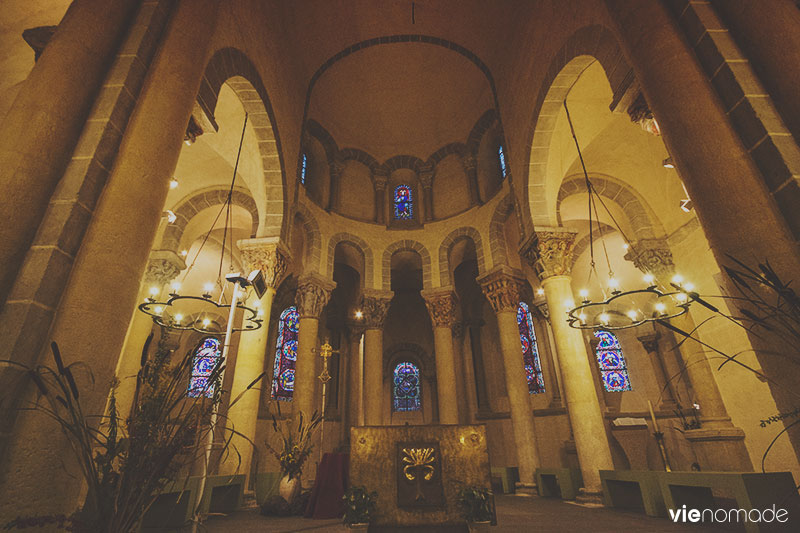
(621, 309)
(202, 313)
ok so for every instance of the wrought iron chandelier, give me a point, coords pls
(621, 309)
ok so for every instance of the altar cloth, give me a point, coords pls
(329, 486)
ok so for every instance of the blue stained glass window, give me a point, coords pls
(204, 362)
(612, 363)
(406, 392)
(303, 168)
(502, 157)
(403, 204)
(285, 355)
(530, 350)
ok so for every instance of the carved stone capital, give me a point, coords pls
(380, 178)
(459, 329)
(313, 293)
(468, 162)
(441, 304)
(549, 252)
(544, 309)
(426, 176)
(504, 287)
(652, 256)
(163, 267)
(268, 255)
(375, 306)
(650, 342)
(640, 114)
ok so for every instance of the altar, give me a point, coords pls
(418, 471)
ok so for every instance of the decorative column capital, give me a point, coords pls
(544, 309)
(380, 178)
(313, 293)
(426, 176)
(652, 256)
(549, 252)
(504, 287)
(441, 304)
(459, 329)
(163, 267)
(268, 255)
(650, 342)
(469, 162)
(375, 306)
(640, 114)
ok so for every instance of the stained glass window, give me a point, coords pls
(502, 157)
(403, 205)
(530, 351)
(203, 364)
(285, 355)
(303, 168)
(406, 395)
(611, 362)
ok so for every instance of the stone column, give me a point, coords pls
(270, 257)
(355, 380)
(39, 131)
(666, 391)
(374, 306)
(471, 168)
(380, 179)
(550, 252)
(426, 179)
(441, 305)
(163, 267)
(336, 169)
(548, 347)
(719, 444)
(503, 287)
(97, 304)
(464, 372)
(313, 293)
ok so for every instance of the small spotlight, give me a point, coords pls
(173, 183)
(359, 314)
(625, 246)
(171, 217)
(668, 163)
(661, 308)
(540, 292)
(687, 205)
(184, 253)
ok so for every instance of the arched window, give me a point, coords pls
(530, 351)
(501, 156)
(611, 362)
(403, 204)
(303, 168)
(203, 363)
(406, 391)
(285, 355)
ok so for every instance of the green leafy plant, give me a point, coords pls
(295, 444)
(475, 504)
(359, 505)
(127, 460)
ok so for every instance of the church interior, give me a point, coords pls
(538, 252)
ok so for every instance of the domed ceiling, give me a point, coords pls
(401, 98)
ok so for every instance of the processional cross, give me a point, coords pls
(325, 351)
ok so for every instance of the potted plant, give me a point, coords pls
(359, 507)
(475, 505)
(294, 448)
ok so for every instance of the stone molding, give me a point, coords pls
(504, 287)
(375, 306)
(652, 256)
(441, 304)
(313, 293)
(549, 252)
(163, 267)
(268, 255)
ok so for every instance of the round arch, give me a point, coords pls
(455, 236)
(402, 246)
(361, 245)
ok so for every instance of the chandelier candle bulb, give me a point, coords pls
(206, 322)
(178, 318)
(632, 315)
(677, 279)
(660, 307)
(649, 279)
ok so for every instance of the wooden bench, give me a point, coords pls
(633, 489)
(750, 490)
(559, 482)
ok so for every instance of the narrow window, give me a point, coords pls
(501, 156)
(406, 392)
(203, 363)
(285, 355)
(303, 168)
(530, 351)
(612, 363)
(403, 204)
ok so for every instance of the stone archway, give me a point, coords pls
(401, 246)
(459, 234)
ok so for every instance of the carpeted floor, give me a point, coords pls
(514, 514)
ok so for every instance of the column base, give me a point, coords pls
(720, 449)
(526, 489)
(589, 498)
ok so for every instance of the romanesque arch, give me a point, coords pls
(312, 237)
(359, 243)
(401, 246)
(466, 232)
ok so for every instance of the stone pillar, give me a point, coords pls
(441, 305)
(380, 179)
(503, 288)
(550, 252)
(548, 347)
(270, 257)
(426, 179)
(465, 376)
(718, 443)
(313, 293)
(96, 308)
(666, 388)
(39, 132)
(471, 168)
(374, 306)
(355, 380)
(336, 169)
(163, 267)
